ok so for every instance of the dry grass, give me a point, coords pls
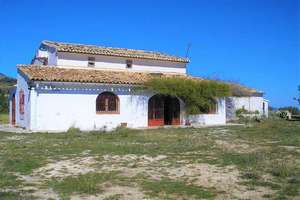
(254, 162)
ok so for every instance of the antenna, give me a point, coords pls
(188, 50)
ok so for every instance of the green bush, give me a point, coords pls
(198, 95)
(241, 111)
(291, 109)
(72, 130)
(3, 102)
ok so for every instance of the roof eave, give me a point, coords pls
(123, 56)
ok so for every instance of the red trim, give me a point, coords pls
(175, 121)
(156, 122)
(156, 111)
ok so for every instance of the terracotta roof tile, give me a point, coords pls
(54, 73)
(59, 74)
(110, 51)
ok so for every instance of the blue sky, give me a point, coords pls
(253, 42)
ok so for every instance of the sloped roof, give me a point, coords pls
(110, 51)
(60, 74)
(54, 73)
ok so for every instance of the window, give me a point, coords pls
(21, 102)
(128, 64)
(91, 61)
(107, 103)
(45, 62)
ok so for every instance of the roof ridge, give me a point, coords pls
(150, 54)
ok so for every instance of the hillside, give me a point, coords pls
(5, 83)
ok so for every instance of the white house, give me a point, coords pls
(92, 87)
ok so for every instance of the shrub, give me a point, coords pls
(240, 111)
(291, 109)
(198, 95)
(72, 130)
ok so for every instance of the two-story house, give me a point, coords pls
(91, 87)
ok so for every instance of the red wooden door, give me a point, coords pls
(175, 111)
(156, 111)
(13, 110)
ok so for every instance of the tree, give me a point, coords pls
(3, 102)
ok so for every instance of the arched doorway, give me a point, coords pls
(163, 110)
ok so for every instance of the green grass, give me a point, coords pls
(164, 189)
(8, 180)
(82, 184)
(4, 119)
(267, 157)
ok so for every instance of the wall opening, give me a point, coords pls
(163, 110)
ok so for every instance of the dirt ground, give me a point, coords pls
(213, 163)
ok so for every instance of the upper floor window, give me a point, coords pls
(91, 61)
(107, 103)
(21, 102)
(128, 64)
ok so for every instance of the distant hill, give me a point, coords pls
(6, 82)
(2, 75)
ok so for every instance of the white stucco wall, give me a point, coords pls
(117, 63)
(211, 119)
(23, 120)
(60, 109)
(57, 107)
(251, 104)
(49, 53)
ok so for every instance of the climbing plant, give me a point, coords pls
(198, 95)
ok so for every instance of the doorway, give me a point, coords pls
(163, 110)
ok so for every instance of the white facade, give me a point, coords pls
(252, 104)
(22, 120)
(72, 60)
(58, 106)
(219, 118)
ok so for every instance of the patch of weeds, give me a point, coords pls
(14, 196)
(250, 175)
(8, 180)
(283, 169)
(10, 195)
(288, 190)
(169, 187)
(114, 197)
(82, 184)
(123, 131)
(242, 160)
(73, 130)
(23, 165)
(292, 187)
(253, 183)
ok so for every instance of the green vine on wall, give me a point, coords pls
(198, 95)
